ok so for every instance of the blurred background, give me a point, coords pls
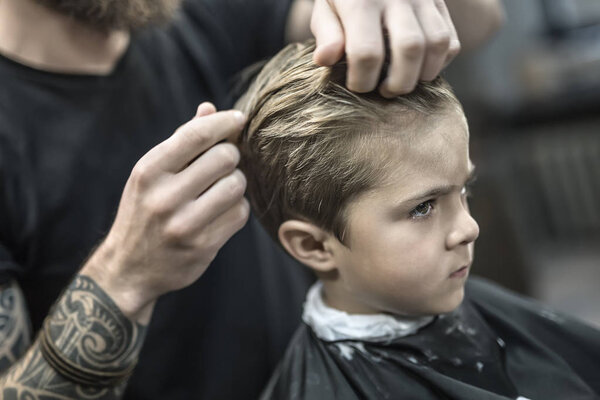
(532, 96)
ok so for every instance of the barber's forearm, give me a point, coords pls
(89, 339)
(475, 20)
(32, 378)
(134, 300)
(15, 329)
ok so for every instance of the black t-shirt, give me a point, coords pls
(67, 146)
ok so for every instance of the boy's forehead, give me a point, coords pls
(414, 128)
(436, 149)
(417, 123)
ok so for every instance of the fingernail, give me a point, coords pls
(383, 89)
(327, 54)
(385, 93)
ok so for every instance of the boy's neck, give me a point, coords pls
(332, 297)
(44, 39)
(332, 324)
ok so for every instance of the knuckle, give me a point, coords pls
(175, 231)
(439, 4)
(454, 48)
(142, 174)
(440, 41)
(208, 258)
(165, 150)
(157, 206)
(201, 240)
(212, 248)
(201, 138)
(229, 156)
(196, 133)
(243, 213)
(236, 184)
(368, 56)
(358, 5)
(208, 245)
(412, 47)
(401, 87)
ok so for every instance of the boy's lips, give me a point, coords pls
(461, 272)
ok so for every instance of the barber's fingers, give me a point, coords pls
(206, 237)
(455, 45)
(364, 43)
(192, 139)
(219, 198)
(229, 222)
(217, 162)
(205, 108)
(222, 228)
(407, 47)
(437, 35)
(195, 217)
(422, 40)
(329, 34)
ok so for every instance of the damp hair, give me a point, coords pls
(311, 146)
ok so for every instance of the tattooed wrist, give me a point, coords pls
(15, 330)
(85, 351)
(87, 339)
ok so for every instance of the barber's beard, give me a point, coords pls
(107, 15)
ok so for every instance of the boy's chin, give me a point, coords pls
(444, 306)
(453, 303)
(434, 309)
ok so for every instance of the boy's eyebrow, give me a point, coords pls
(442, 190)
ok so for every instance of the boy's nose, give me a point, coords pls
(464, 231)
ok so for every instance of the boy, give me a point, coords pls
(371, 193)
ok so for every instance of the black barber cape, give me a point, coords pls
(495, 346)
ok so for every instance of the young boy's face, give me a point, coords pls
(410, 240)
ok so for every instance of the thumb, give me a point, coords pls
(328, 32)
(205, 109)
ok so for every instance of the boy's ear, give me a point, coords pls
(306, 243)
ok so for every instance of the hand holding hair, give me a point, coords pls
(421, 36)
(182, 202)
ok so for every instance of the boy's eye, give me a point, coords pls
(466, 191)
(422, 210)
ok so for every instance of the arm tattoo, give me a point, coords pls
(15, 330)
(91, 333)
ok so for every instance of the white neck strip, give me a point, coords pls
(330, 324)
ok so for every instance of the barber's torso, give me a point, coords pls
(67, 146)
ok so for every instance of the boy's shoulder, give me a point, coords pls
(489, 297)
(422, 366)
(499, 305)
(306, 371)
(522, 321)
(316, 369)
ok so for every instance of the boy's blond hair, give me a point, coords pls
(308, 148)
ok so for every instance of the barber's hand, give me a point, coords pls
(182, 202)
(422, 40)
